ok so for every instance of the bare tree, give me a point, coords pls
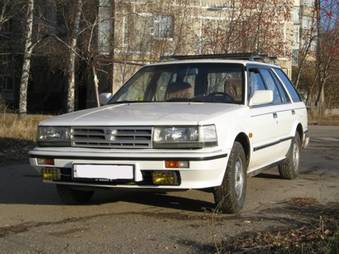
(83, 45)
(249, 26)
(8, 9)
(72, 56)
(308, 39)
(27, 58)
(327, 51)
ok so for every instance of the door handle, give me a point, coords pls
(275, 115)
(293, 112)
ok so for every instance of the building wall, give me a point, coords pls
(304, 20)
(144, 31)
(192, 27)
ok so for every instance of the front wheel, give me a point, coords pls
(230, 195)
(289, 168)
(68, 195)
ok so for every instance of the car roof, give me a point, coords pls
(229, 61)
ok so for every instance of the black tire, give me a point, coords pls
(68, 195)
(289, 168)
(230, 196)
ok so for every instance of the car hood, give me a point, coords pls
(143, 114)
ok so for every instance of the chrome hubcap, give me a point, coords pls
(296, 156)
(239, 178)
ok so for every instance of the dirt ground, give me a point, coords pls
(278, 213)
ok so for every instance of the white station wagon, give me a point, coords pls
(191, 123)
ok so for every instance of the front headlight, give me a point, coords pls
(185, 137)
(53, 136)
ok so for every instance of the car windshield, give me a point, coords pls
(198, 82)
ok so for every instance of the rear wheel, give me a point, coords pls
(289, 168)
(68, 195)
(230, 195)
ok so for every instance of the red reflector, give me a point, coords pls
(46, 161)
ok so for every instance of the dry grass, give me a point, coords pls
(315, 118)
(20, 128)
(17, 136)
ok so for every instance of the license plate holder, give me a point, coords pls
(103, 172)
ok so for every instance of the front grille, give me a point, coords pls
(112, 137)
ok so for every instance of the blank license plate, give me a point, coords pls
(110, 172)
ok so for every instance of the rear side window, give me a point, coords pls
(288, 84)
(269, 81)
(283, 93)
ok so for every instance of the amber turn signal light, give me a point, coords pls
(176, 164)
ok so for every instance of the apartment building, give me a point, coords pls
(129, 33)
(7, 74)
(304, 20)
(146, 30)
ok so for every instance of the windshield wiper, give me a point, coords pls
(121, 102)
(179, 100)
(194, 99)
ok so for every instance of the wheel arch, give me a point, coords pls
(243, 139)
(300, 131)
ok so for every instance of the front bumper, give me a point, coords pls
(206, 169)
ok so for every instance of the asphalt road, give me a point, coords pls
(32, 219)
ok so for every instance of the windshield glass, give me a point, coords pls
(200, 82)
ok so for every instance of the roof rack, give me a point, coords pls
(234, 56)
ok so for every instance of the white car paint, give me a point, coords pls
(144, 114)
(207, 165)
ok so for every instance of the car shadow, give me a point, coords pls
(155, 199)
(21, 184)
(269, 175)
(14, 150)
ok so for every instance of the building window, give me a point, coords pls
(142, 29)
(104, 27)
(296, 37)
(138, 1)
(309, 3)
(162, 27)
(6, 27)
(295, 55)
(6, 82)
(307, 22)
(296, 14)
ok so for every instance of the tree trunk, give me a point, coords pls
(96, 85)
(320, 85)
(27, 59)
(301, 63)
(72, 55)
(113, 46)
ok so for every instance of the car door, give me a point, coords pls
(263, 125)
(286, 115)
(282, 105)
(297, 106)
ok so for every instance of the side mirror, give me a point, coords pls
(104, 98)
(261, 97)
